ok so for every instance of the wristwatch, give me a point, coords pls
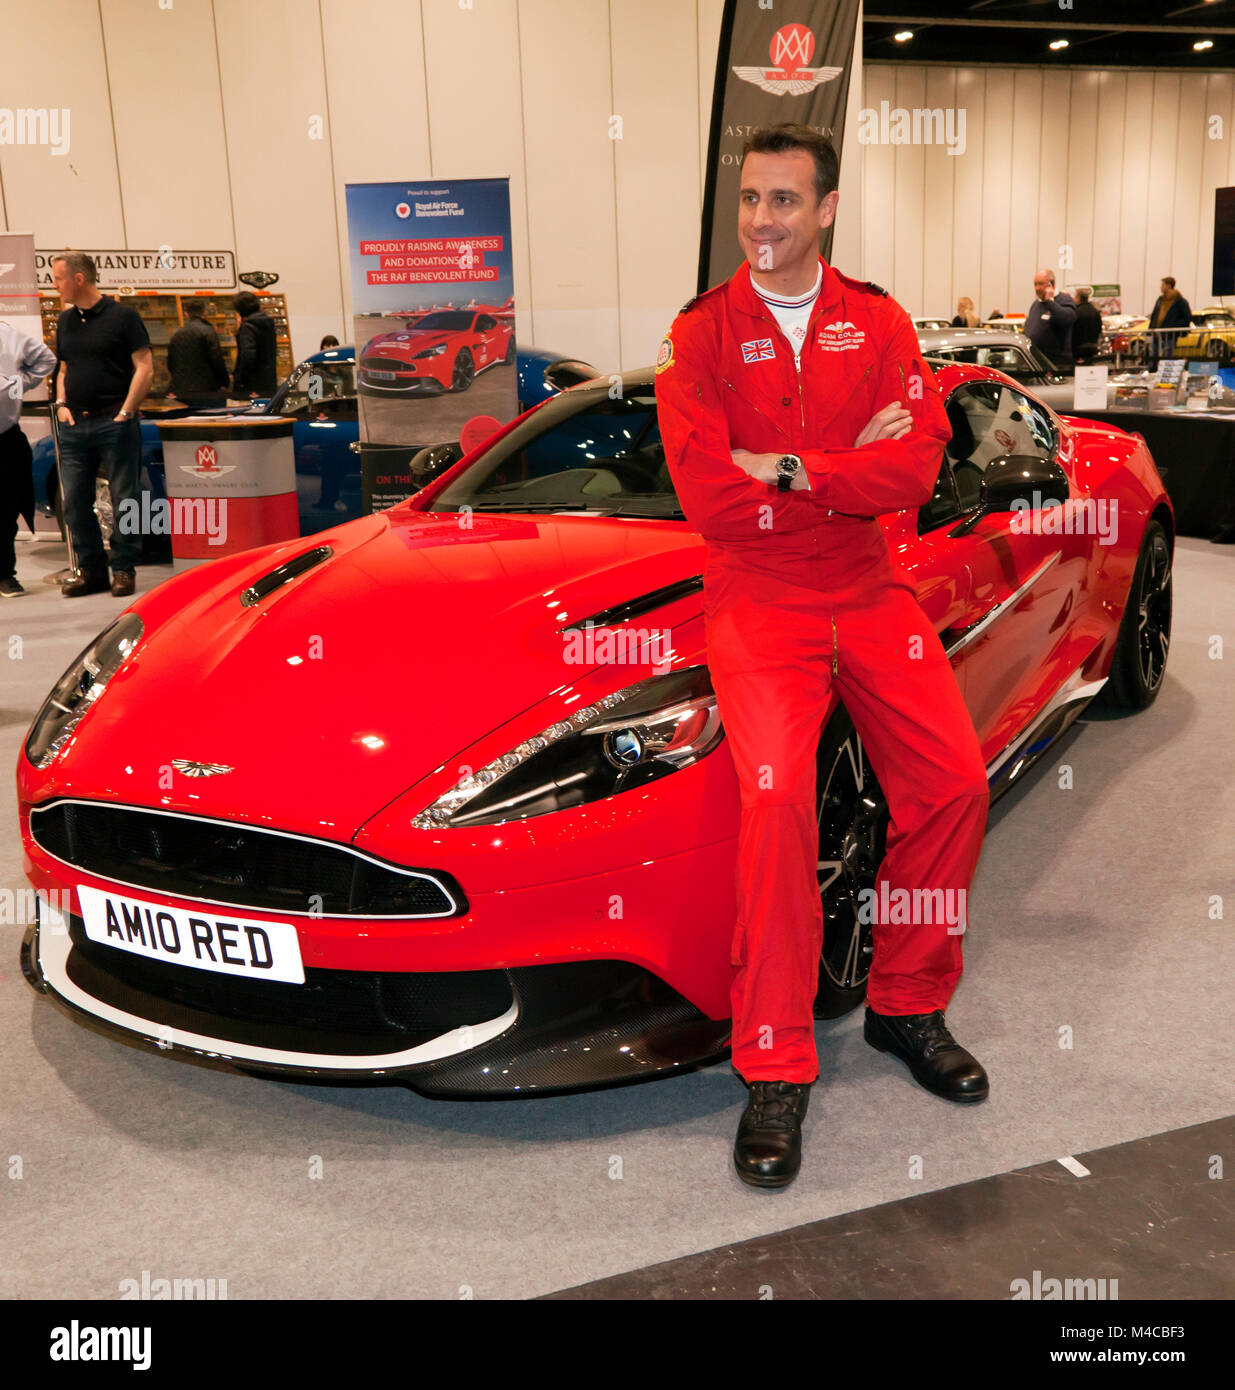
(786, 469)
(124, 415)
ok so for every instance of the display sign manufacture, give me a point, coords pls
(163, 268)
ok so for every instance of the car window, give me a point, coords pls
(1004, 357)
(989, 420)
(317, 386)
(485, 322)
(449, 320)
(584, 452)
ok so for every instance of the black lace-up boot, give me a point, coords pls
(933, 1055)
(768, 1149)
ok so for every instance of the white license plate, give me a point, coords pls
(381, 376)
(225, 944)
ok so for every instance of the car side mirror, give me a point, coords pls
(1017, 482)
(434, 460)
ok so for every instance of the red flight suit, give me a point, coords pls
(800, 592)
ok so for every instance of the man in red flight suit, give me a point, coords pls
(789, 425)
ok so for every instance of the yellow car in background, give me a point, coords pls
(1212, 337)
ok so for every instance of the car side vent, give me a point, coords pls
(279, 576)
(636, 607)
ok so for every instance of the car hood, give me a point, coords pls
(413, 340)
(335, 693)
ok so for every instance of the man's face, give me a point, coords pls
(70, 288)
(1042, 286)
(779, 214)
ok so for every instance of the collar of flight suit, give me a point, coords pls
(743, 295)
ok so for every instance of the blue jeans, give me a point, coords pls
(117, 447)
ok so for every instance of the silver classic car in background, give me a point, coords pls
(1008, 351)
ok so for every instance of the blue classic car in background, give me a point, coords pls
(320, 396)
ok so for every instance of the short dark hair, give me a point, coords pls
(328, 341)
(1083, 295)
(195, 309)
(246, 303)
(1169, 280)
(789, 135)
(79, 263)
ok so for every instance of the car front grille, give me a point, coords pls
(240, 865)
(339, 1012)
(386, 364)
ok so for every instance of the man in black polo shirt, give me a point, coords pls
(105, 371)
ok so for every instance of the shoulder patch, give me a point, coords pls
(664, 358)
(690, 303)
(868, 285)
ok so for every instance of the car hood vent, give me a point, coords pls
(636, 607)
(279, 576)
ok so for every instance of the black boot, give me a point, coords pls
(933, 1055)
(768, 1149)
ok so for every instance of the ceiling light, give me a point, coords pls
(1059, 43)
(904, 36)
(1203, 44)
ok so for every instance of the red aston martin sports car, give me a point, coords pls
(442, 795)
(441, 351)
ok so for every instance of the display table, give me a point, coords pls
(1195, 453)
(231, 484)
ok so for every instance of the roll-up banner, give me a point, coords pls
(785, 63)
(19, 293)
(434, 320)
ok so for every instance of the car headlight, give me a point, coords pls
(431, 352)
(79, 687)
(623, 741)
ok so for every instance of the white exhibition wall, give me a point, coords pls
(209, 124)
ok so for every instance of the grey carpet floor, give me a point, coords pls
(1090, 917)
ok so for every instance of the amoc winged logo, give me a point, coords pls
(791, 50)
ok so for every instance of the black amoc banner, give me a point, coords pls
(770, 68)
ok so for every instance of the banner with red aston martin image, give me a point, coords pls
(434, 320)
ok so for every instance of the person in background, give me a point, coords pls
(24, 362)
(965, 316)
(329, 341)
(1171, 310)
(105, 371)
(1087, 330)
(1048, 325)
(195, 361)
(256, 349)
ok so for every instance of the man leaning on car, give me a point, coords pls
(796, 409)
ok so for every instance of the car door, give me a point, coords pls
(1027, 573)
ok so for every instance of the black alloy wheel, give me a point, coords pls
(510, 350)
(853, 829)
(464, 372)
(1139, 663)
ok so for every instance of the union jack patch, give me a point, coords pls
(757, 350)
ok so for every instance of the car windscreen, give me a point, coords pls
(453, 321)
(1004, 357)
(583, 452)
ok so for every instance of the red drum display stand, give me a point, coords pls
(231, 485)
